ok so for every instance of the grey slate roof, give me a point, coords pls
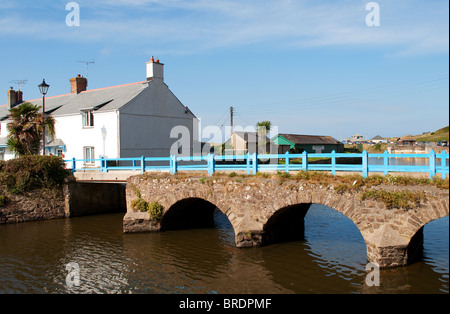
(103, 99)
(310, 139)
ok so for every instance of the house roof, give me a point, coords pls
(407, 138)
(280, 140)
(309, 139)
(378, 137)
(102, 99)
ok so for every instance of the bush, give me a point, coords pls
(28, 173)
(139, 204)
(155, 210)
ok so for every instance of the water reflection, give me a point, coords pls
(331, 259)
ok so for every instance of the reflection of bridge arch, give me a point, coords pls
(264, 211)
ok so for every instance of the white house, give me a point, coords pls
(378, 139)
(129, 120)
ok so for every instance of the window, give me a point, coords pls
(88, 155)
(88, 118)
(59, 152)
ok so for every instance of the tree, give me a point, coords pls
(262, 128)
(26, 128)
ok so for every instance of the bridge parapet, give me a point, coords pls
(266, 210)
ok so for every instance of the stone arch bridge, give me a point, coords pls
(269, 210)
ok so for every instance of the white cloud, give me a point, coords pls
(407, 26)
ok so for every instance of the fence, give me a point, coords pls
(433, 163)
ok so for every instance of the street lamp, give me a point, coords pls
(43, 87)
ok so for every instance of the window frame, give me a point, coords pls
(87, 117)
(89, 151)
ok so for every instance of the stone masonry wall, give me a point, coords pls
(38, 205)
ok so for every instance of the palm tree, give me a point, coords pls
(26, 127)
(264, 125)
(262, 128)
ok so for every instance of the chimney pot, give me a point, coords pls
(78, 84)
(155, 70)
(12, 98)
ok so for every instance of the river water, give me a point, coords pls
(331, 259)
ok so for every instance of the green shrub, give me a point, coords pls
(28, 173)
(155, 210)
(139, 204)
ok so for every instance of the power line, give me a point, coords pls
(344, 96)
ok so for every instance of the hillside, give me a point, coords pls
(437, 136)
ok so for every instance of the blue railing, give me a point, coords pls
(431, 163)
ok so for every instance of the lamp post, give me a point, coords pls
(43, 88)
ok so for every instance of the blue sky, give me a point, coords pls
(309, 67)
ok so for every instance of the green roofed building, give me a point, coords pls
(314, 144)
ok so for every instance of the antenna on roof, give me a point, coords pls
(19, 83)
(87, 67)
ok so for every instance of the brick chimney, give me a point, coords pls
(14, 98)
(155, 70)
(19, 97)
(78, 84)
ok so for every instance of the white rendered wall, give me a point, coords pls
(102, 136)
(3, 135)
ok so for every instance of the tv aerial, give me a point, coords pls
(87, 67)
(20, 83)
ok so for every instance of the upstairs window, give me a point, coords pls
(88, 118)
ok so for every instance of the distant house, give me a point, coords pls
(242, 143)
(407, 140)
(129, 120)
(357, 138)
(378, 139)
(309, 143)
